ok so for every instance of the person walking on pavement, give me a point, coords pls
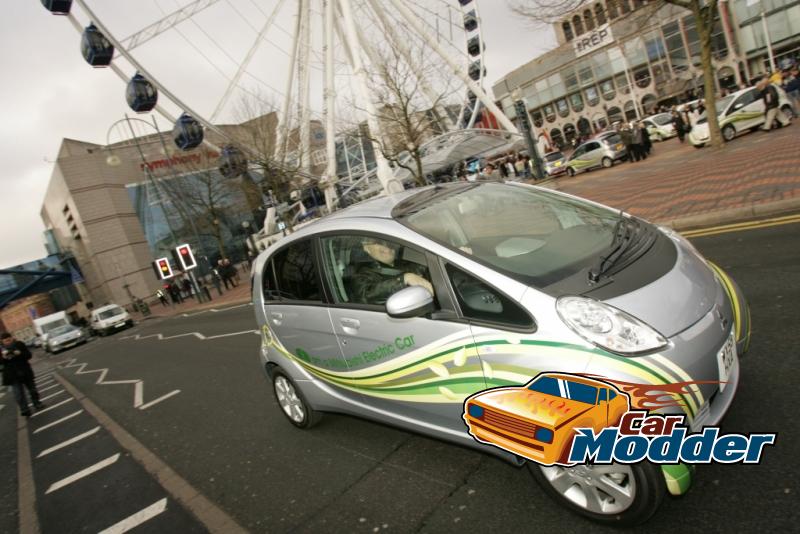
(203, 289)
(638, 142)
(627, 140)
(680, 126)
(18, 374)
(771, 103)
(162, 297)
(215, 279)
(647, 145)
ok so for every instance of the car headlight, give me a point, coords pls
(545, 435)
(608, 327)
(475, 411)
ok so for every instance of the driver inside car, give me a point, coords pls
(376, 280)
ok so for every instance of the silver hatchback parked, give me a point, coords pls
(400, 308)
(603, 151)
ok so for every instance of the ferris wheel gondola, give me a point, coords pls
(57, 7)
(336, 73)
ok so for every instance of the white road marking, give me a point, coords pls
(40, 412)
(217, 310)
(54, 423)
(44, 382)
(198, 335)
(2, 406)
(44, 376)
(156, 401)
(137, 519)
(82, 473)
(51, 396)
(51, 386)
(70, 441)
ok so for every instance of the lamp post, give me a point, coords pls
(525, 127)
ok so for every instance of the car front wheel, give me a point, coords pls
(728, 133)
(571, 171)
(607, 162)
(617, 494)
(291, 401)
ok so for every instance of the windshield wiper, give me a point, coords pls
(623, 236)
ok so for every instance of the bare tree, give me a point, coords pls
(705, 13)
(410, 105)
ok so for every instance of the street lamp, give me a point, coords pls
(525, 126)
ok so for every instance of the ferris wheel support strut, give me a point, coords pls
(405, 52)
(249, 57)
(409, 17)
(167, 23)
(329, 110)
(384, 172)
(303, 88)
(283, 127)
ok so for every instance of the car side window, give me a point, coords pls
(296, 273)
(747, 98)
(480, 302)
(602, 396)
(579, 151)
(611, 395)
(269, 286)
(367, 270)
(592, 146)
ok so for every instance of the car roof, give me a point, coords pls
(574, 378)
(106, 307)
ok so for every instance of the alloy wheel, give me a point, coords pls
(289, 401)
(601, 489)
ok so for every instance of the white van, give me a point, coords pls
(110, 318)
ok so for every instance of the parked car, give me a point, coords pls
(400, 308)
(737, 113)
(601, 151)
(660, 126)
(64, 337)
(109, 319)
(554, 163)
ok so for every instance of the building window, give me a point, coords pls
(556, 138)
(726, 78)
(577, 25)
(611, 8)
(641, 76)
(630, 111)
(569, 133)
(562, 107)
(615, 115)
(621, 81)
(719, 48)
(649, 104)
(592, 96)
(588, 20)
(674, 45)
(599, 14)
(576, 101)
(600, 121)
(607, 89)
(567, 28)
(584, 126)
(692, 38)
(570, 78)
(624, 6)
(549, 113)
(538, 119)
(585, 73)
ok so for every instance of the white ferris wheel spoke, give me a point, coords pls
(168, 22)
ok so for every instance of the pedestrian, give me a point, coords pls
(216, 280)
(770, 96)
(680, 126)
(647, 145)
(792, 89)
(203, 289)
(162, 297)
(627, 139)
(186, 285)
(175, 293)
(223, 274)
(18, 374)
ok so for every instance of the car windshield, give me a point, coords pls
(612, 139)
(722, 103)
(662, 119)
(536, 236)
(62, 330)
(49, 327)
(553, 156)
(566, 389)
(111, 312)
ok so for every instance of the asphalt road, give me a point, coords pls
(224, 434)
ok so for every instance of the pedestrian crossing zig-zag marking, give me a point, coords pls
(198, 335)
(138, 384)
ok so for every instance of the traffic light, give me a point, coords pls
(163, 268)
(186, 257)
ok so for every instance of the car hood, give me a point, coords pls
(65, 337)
(533, 406)
(115, 319)
(675, 301)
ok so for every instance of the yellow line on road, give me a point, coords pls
(736, 227)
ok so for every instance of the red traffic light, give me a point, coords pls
(163, 268)
(186, 257)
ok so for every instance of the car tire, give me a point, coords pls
(699, 146)
(570, 171)
(643, 483)
(291, 401)
(728, 133)
(607, 162)
(787, 111)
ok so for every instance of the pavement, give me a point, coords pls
(222, 434)
(229, 297)
(753, 175)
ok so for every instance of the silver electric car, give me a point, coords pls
(603, 151)
(400, 308)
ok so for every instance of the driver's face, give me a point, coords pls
(381, 252)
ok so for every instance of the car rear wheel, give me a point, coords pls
(728, 133)
(292, 403)
(607, 162)
(617, 494)
(788, 111)
(571, 171)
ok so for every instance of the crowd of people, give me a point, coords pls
(184, 285)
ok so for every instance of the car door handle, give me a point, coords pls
(277, 318)
(350, 326)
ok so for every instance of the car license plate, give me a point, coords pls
(119, 325)
(725, 360)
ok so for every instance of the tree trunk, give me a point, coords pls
(418, 162)
(704, 20)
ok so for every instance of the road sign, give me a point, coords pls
(186, 257)
(163, 268)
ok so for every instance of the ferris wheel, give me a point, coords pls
(312, 60)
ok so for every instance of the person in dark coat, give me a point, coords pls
(680, 126)
(18, 374)
(375, 281)
(647, 144)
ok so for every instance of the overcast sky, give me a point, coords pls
(48, 91)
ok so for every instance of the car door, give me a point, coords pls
(418, 369)
(747, 111)
(576, 160)
(296, 314)
(594, 154)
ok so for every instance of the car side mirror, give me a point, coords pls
(738, 106)
(411, 301)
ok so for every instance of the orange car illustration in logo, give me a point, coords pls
(538, 420)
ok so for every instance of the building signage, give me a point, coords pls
(180, 159)
(594, 40)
